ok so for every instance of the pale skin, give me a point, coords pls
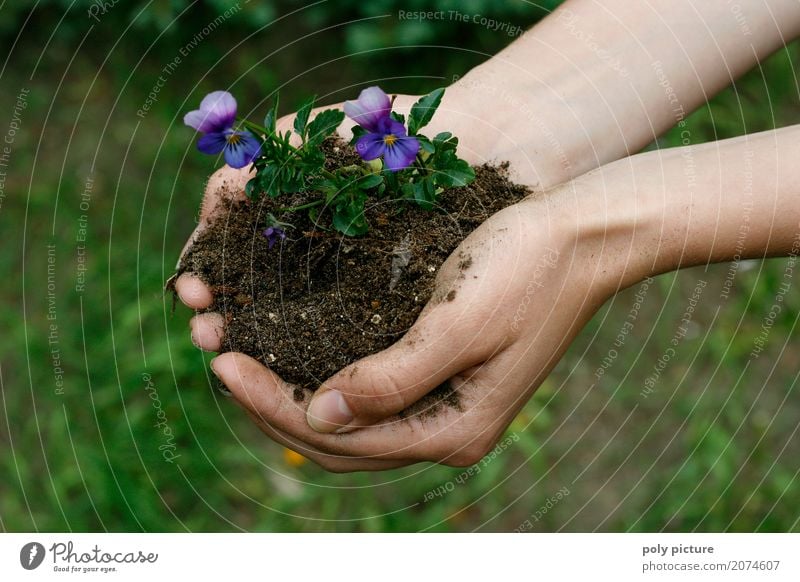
(544, 266)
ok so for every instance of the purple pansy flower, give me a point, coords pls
(215, 120)
(274, 234)
(372, 106)
(385, 136)
(390, 141)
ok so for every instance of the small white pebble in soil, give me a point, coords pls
(303, 315)
(273, 317)
(376, 318)
(272, 358)
(431, 268)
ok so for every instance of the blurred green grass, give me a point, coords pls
(712, 448)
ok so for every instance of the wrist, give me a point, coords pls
(678, 208)
(618, 230)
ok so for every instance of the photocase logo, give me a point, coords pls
(31, 555)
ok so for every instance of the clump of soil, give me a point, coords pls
(319, 301)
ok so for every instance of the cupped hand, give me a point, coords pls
(526, 293)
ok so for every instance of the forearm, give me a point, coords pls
(659, 211)
(598, 80)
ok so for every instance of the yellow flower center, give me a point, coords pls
(233, 139)
(389, 139)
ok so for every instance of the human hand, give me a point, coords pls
(512, 270)
(529, 289)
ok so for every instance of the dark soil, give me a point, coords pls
(319, 301)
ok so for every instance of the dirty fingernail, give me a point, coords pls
(328, 411)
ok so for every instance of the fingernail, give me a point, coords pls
(328, 411)
(220, 385)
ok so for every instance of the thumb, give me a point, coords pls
(388, 382)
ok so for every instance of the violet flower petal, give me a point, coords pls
(217, 113)
(389, 125)
(212, 143)
(274, 234)
(197, 120)
(372, 106)
(241, 149)
(271, 238)
(370, 146)
(401, 153)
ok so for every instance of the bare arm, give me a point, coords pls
(720, 201)
(598, 80)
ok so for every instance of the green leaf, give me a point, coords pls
(348, 225)
(422, 111)
(270, 181)
(425, 144)
(442, 137)
(425, 193)
(324, 124)
(348, 214)
(445, 145)
(407, 190)
(370, 181)
(301, 119)
(398, 117)
(358, 131)
(311, 160)
(252, 187)
(272, 116)
(456, 173)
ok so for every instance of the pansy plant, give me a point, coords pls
(412, 166)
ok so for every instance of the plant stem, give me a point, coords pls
(260, 129)
(301, 207)
(420, 163)
(255, 127)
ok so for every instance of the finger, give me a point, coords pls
(332, 463)
(207, 331)
(434, 435)
(193, 292)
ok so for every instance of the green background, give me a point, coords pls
(713, 447)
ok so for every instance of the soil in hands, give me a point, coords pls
(318, 301)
